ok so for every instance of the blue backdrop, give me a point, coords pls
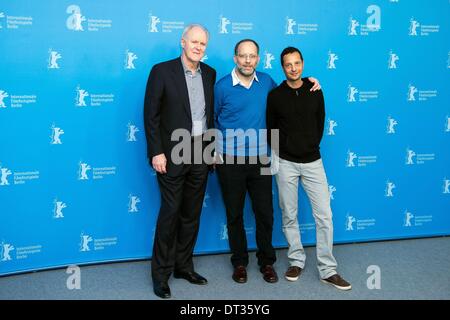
(75, 184)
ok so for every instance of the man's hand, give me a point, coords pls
(316, 84)
(159, 163)
(218, 159)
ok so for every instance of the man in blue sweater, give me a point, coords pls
(240, 111)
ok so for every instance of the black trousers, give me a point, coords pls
(178, 220)
(235, 180)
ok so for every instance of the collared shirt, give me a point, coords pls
(196, 99)
(237, 81)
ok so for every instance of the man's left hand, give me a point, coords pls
(316, 85)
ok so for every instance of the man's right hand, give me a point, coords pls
(159, 163)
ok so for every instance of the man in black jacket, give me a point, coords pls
(299, 115)
(179, 96)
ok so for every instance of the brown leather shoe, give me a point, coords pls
(269, 274)
(292, 273)
(338, 282)
(240, 274)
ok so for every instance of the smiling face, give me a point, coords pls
(194, 45)
(293, 66)
(246, 59)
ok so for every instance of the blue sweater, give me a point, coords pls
(237, 107)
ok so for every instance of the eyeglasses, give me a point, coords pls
(247, 56)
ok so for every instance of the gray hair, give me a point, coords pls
(192, 26)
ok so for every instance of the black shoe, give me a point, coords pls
(192, 277)
(161, 289)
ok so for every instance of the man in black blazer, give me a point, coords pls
(179, 95)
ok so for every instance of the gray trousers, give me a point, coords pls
(314, 182)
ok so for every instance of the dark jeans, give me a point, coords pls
(235, 180)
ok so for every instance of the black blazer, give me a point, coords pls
(167, 107)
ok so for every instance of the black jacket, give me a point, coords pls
(167, 107)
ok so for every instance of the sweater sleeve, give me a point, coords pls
(217, 103)
(270, 117)
(320, 115)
